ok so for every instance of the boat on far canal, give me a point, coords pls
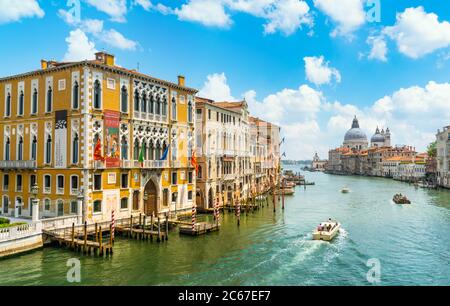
(345, 190)
(326, 231)
(401, 199)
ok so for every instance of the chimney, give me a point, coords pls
(44, 64)
(181, 80)
(105, 58)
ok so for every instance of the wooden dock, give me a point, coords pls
(94, 239)
(201, 228)
(144, 229)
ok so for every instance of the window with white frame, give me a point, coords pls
(97, 206)
(47, 183)
(19, 181)
(34, 102)
(74, 184)
(49, 100)
(48, 150)
(75, 95)
(97, 96)
(20, 105)
(75, 148)
(47, 204)
(60, 184)
(8, 105)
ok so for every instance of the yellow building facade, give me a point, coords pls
(53, 118)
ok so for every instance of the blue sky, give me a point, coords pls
(309, 66)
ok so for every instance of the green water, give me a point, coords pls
(411, 242)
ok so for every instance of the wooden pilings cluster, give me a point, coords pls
(88, 239)
(144, 229)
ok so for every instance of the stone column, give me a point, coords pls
(16, 209)
(35, 209)
(80, 211)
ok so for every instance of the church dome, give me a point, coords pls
(377, 137)
(355, 133)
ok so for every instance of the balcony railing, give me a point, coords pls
(150, 116)
(98, 164)
(176, 164)
(156, 164)
(228, 177)
(18, 164)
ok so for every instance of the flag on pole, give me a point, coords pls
(166, 152)
(98, 151)
(194, 161)
(141, 156)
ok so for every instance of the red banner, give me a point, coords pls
(112, 141)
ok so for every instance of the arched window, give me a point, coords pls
(48, 150)
(124, 99)
(34, 102)
(20, 149)
(7, 149)
(152, 104)
(48, 106)
(151, 151)
(124, 148)
(124, 203)
(174, 150)
(164, 110)
(158, 150)
(164, 148)
(75, 95)
(144, 150)
(144, 102)
(136, 100)
(20, 108)
(136, 149)
(174, 108)
(97, 94)
(158, 105)
(75, 149)
(190, 111)
(8, 105)
(34, 148)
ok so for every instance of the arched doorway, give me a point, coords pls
(199, 199)
(150, 199)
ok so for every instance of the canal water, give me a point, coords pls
(411, 243)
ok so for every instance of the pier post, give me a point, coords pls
(111, 237)
(282, 193)
(140, 219)
(143, 228)
(73, 235)
(159, 230)
(85, 236)
(167, 226)
(100, 240)
(131, 226)
(96, 234)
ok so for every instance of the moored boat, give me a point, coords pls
(326, 231)
(345, 190)
(286, 191)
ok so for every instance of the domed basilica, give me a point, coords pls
(356, 139)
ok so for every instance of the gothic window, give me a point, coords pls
(20, 149)
(144, 103)
(158, 105)
(97, 95)
(136, 100)
(7, 149)
(124, 100)
(8, 105)
(124, 148)
(34, 148)
(136, 150)
(144, 150)
(75, 95)
(34, 102)
(151, 151)
(48, 105)
(20, 109)
(158, 150)
(164, 110)
(152, 105)
(75, 149)
(48, 150)
(174, 108)
(190, 111)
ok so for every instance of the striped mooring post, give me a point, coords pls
(238, 212)
(113, 225)
(194, 212)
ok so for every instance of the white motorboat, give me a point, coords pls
(345, 190)
(326, 231)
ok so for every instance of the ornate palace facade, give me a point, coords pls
(53, 119)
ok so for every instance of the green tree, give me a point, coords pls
(431, 149)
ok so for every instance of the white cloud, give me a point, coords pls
(418, 33)
(145, 4)
(378, 49)
(216, 88)
(207, 12)
(116, 9)
(317, 71)
(79, 47)
(13, 10)
(349, 15)
(287, 16)
(117, 40)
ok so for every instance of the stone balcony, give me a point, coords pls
(18, 164)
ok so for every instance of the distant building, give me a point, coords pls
(381, 139)
(318, 164)
(355, 138)
(443, 157)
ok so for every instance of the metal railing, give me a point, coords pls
(18, 164)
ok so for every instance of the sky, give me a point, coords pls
(309, 66)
